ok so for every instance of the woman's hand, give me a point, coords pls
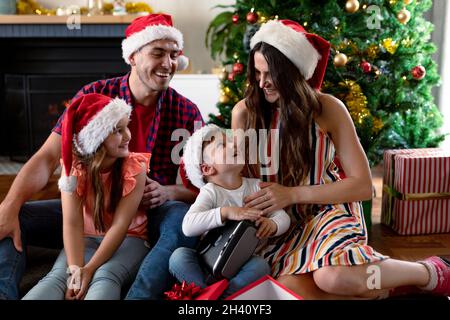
(271, 197)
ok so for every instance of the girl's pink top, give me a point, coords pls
(133, 165)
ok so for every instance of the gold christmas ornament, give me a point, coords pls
(406, 2)
(108, 8)
(352, 6)
(224, 99)
(223, 74)
(403, 16)
(390, 45)
(261, 18)
(340, 60)
(372, 52)
(84, 11)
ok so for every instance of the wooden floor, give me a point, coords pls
(382, 238)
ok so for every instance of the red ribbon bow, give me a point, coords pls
(183, 291)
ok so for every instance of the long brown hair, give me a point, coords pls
(298, 104)
(92, 166)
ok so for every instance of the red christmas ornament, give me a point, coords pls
(231, 76)
(252, 17)
(238, 68)
(365, 66)
(235, 18)
(418, 72)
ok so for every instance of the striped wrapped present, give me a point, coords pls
(416, 191)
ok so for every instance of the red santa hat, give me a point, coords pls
(86, 124)
(146, 29)
(307, 51)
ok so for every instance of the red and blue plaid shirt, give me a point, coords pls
(173, 112)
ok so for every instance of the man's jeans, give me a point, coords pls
(166, 235)
(41, 225)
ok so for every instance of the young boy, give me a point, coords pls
(211, 165)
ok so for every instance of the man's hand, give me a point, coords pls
(237, 213)
(267, 227)
(154, 195)
(10, 226)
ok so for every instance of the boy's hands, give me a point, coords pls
(237, 213)
(267, 227)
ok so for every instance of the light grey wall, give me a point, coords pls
(192, 17)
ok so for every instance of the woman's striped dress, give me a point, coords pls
(333, 235)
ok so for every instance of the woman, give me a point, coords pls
(322, 177)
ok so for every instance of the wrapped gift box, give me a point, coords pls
(214, 291)
(416, 191)
(266, 288)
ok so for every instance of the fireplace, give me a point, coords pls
(33, 104)
(41, 68)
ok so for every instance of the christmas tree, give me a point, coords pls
(380, 64)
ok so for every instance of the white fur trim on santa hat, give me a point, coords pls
(100, 126)
(193, 155)
(293, 44)
(149, 34)
(67, 184)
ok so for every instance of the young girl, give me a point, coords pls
(104, 233)
(212, 165)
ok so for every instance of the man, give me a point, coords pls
(153, 50)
